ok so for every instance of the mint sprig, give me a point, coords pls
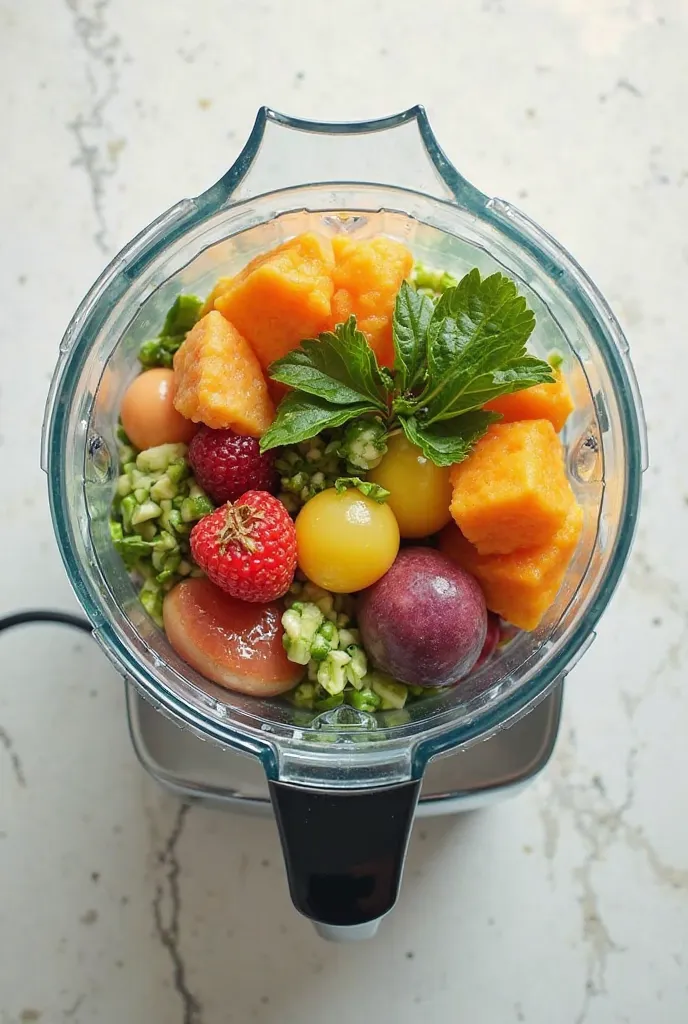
(451, 358)
(340, 366)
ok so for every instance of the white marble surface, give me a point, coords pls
(567, 906)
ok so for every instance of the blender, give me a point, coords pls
(344, 785)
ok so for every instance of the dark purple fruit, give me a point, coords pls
(424, 622)
(492, 638)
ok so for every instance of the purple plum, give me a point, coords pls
(492, 638)
(424, 622)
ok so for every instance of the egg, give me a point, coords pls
(148, 415)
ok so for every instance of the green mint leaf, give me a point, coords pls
(412, 314)
(477, 347)
(182, 315)
(524, 372)
(448, 443)
(339, 366)
(300, 417)
(366, 487)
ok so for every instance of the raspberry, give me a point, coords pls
(226, 464)
(248, 548)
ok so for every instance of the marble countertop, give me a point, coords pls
(568, 905)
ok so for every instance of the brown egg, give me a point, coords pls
(148, 415)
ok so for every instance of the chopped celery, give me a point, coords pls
(195, 507)
(142, 513)
(159, 458)
(365, 699)
(392, 693)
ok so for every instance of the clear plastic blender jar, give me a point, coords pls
(343, 783)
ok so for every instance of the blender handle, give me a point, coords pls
(344, 852)
(284, 151)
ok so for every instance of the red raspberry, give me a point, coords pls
(248, 548)
(226, 464)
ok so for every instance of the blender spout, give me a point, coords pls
(344, 851)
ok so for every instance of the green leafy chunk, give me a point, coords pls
(182, 315)
(450, 441)
(339, 366)
(412, 314)
(366, 487)
(300, 417)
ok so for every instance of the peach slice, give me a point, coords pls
(230, 642)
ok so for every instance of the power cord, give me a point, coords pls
(42, 615)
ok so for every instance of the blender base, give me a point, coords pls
(459, 781)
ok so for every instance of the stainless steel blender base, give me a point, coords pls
(489, 770)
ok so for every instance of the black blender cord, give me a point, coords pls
(42, 615)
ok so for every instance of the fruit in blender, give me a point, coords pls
(420, 491)
(346, 541)
(512, 491)
(522, 585)
(281, 296)
(218, 380)
(233, 643)
(551, 402)
(492, 638)
(247, 548)
(367, 276)
(425, 621)
(226, 464)
(148, 415)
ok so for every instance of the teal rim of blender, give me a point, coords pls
(556, 263)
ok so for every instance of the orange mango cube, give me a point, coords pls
(218, 380)
(367, 276)
(551, 402)
(281, 297)
(512, 491)
(520, 586)
(221, 286)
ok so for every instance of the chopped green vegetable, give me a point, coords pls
(363, 444)
(432, 282)
(154, 491)
(364, 699)
(391, 693)
(181, 317)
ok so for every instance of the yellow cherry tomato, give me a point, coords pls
(345, 541)
(420, 491)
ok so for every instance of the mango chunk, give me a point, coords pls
(221, 286)
(281, 297)
(367, 276)
(218, 380)
(551, 402)
(520, 586)
(512, 491)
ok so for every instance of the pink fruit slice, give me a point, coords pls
(230, 642)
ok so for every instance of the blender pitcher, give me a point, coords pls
(343, 783)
